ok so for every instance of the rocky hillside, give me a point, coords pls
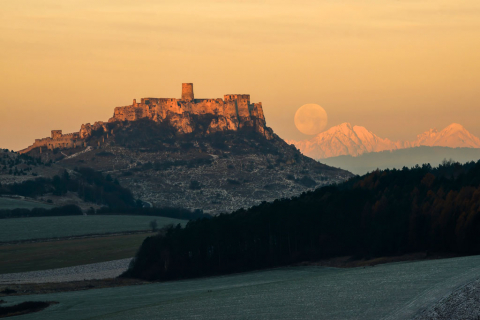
(346, 139)
(217, 155)
(217, 172)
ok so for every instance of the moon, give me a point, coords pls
(311, 119)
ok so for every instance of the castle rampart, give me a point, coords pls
(56, 134)
(56, 140)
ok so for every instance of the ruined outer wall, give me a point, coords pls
(257, 111)
(242, 103)
(70, 140)
(165, 105)
(56, 134)
(236, 107)
(208, 106)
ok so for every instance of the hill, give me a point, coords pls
(383, 213)
(346, 139)
(217, 155)
(397, 159)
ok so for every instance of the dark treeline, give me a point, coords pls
(169, 212)
(68, 210)
(90, 185)
(382, 213)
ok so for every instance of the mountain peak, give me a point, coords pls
(345, 139)
(453, 136)
(345, 125)
(455, 126)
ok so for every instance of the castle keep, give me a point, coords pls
(233, 112)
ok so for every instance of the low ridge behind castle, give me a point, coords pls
(233, 112)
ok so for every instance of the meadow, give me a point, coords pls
(20, 229)
(68, 253)
(389, 291)
(9, 204)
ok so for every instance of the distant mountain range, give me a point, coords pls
(397, 159)
(346, 139)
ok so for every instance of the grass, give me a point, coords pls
(20, 229)
(388, 291)
(8, 204)
(67, 253)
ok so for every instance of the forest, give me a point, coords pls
(90, 185)
(388, 212)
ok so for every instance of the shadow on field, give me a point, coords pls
(24, 308)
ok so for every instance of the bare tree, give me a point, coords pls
(153, 225)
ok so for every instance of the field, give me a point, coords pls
(67, 253)
(58, 227)
(7, 203)
(390, 291)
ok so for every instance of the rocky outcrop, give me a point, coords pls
(182, 123)
(222, 123)
(87, 129)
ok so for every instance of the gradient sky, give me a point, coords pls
(396, 67)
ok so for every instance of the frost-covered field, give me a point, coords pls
(101, 270)
(462, 304)
(67, 226)
(390, 291)
(7, 203)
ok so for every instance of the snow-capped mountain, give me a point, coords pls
(453, 136)
(342, 140)
(346, 139)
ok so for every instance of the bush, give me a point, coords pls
(307, 182)
(104, 154)
(195, 185)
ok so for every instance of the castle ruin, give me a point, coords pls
(233, 112)
(236, 109)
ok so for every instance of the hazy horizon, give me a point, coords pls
(397, 68)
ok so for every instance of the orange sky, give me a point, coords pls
(395, 67)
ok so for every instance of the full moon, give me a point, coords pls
(311, 119)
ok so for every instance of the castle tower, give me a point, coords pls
(187, 91)
(56, 134)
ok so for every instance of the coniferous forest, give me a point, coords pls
(390, 212)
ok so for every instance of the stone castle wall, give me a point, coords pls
(232, 112)
(235, 107)
(57, 140)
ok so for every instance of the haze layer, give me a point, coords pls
(394, 67)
